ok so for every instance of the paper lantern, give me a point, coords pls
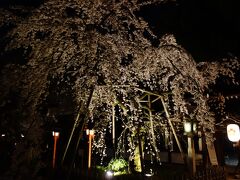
(90, 132)
(233, 132)
(190, 127)
(54, 133)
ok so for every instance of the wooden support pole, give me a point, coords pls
(85, 118)
(141, 151)
(76, 123)
(54, 151)
(89, 150)
(113, 128)
(191, 156)
(90, 134)
(173, 130)
(152, 129)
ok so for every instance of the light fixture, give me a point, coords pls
(190, 129)
(54, 133)
(109, 173)
(90, 132)
(190, 126)
(233, 132)
(187, 126)
(150, 173)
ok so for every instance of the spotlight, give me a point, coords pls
(109, 173)
(150, 173)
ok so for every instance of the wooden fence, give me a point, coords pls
(211, 173)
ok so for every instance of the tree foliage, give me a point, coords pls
(65, 48)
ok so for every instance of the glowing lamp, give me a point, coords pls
(150, 173)
(190, 127)
(55, 133)
(109, 173)
(90, 132)
(233, 132)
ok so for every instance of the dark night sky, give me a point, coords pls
(208, 29)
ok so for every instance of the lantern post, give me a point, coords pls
(90, 134)
(190, 128)
(55, 137)
(233, 134)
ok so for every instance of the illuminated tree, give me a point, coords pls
(82, 46)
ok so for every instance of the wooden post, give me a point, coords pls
(90, 134)
(84, 118)
(191, 156)
(113, 128)
(76, 123)
(152, 129)
(54, 151)
(140, 151)
(89, 150)
(173, 130)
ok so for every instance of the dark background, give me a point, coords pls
(208, 29)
